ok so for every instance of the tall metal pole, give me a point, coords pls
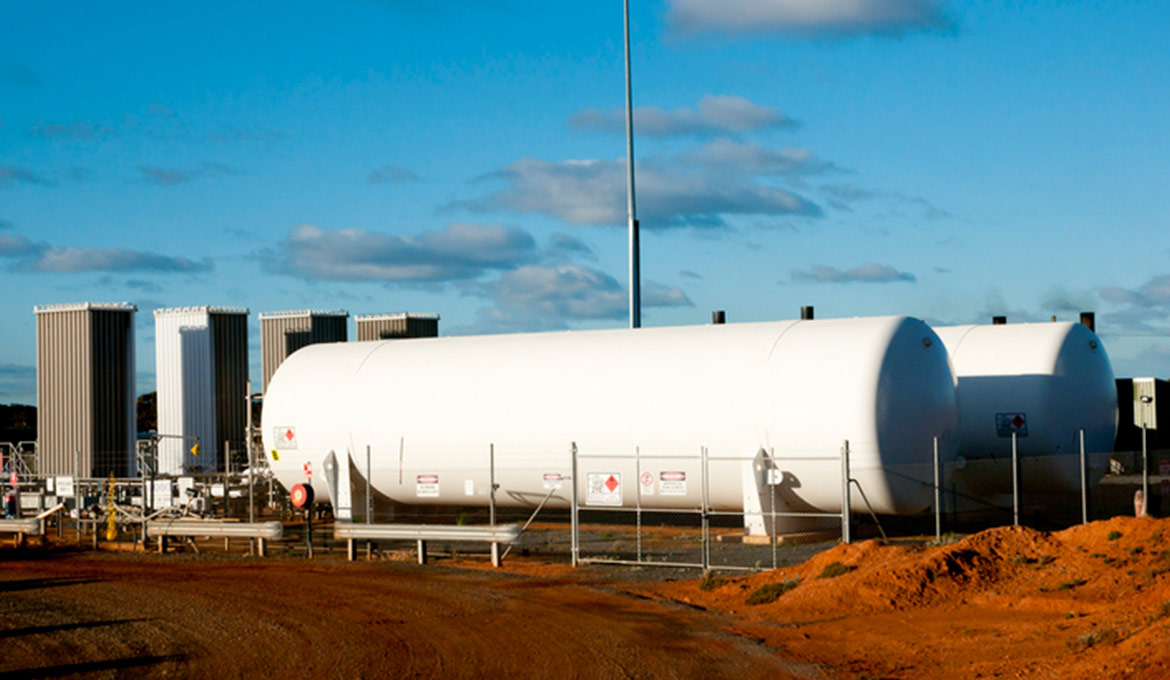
(635, 254)
(1015, 483)
(1145, 474)
(846, 510)
(1084, 482)
(937, 495)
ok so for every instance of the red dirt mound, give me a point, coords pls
(1091, 601)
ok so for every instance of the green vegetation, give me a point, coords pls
(1075, 583)
(1113, 535)
(834, 569)
(770, 592)
(710, 581)
(1097, 637)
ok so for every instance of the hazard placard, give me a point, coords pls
(308, 467)
(427, 486)
(646, 483)
(604, 488)
(673, 483)
(285, 437)
(1007, 424)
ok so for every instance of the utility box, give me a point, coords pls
(201, 363)
(282, 333)
(396, 326)
(86, 420)
(1145, 405)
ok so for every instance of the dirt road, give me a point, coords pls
(120, 615)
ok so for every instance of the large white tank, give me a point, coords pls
(1043, 381)
(428, 409)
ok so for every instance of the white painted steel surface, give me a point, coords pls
(1056, 376)
(429, 409)
(185, 377)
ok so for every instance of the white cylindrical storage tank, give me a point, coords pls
(429, 409)
(1043, 381)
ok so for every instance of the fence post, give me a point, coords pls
(1145, 474)
(937, 494)
(638, 496)
(706, 530)
(574, 525)
(772, 491)
(1084, 481)
(846, 511)
(492, 483)
(1015, 483)
(369, 502)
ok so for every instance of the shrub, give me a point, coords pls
(770, 592)
(1067, 585)
(710, 581)
(834, 569)
(1113, 535)
(1097, 637)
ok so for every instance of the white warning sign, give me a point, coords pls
(672, 483)
(285, 437)
(605, 488)
(427, 486)
(553, 480)
(646, 483)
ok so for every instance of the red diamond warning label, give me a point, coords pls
(1007, 424)
(285, 437)
(604, 488)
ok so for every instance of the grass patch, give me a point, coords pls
(1136, 550)
(1113, 535)
(770, 592)
(710, 581)
(835, 569)
(1069, 585)
(1093, 639)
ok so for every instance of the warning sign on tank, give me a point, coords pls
(285, 437)
(427, 486)
(1007, 424)
(672, 483)
(605, 488)
(646, 483)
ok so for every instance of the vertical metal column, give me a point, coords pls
(574, 526)
(369, 495)
(635, 249)
(1145, 474)
(1084, 481)
(1015, 483)
(492, 510)
(492, 483)
(638, 495)
(937, 495)
(227, 482)
(846, 510)
(704, 470)
(369, 501)
(772, 491)
(251, 466)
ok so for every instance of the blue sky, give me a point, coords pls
(945, 160)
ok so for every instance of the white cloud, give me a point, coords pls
(752, 159)
(807, 17)
(870, 272)
(1152, 293)
(392, 174)
(174, 176)
(538, 297)
(716, 115)
(73, 260)
(594, 192)
(458, 251)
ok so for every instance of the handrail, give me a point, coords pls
(504, 533)
(273, 530)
